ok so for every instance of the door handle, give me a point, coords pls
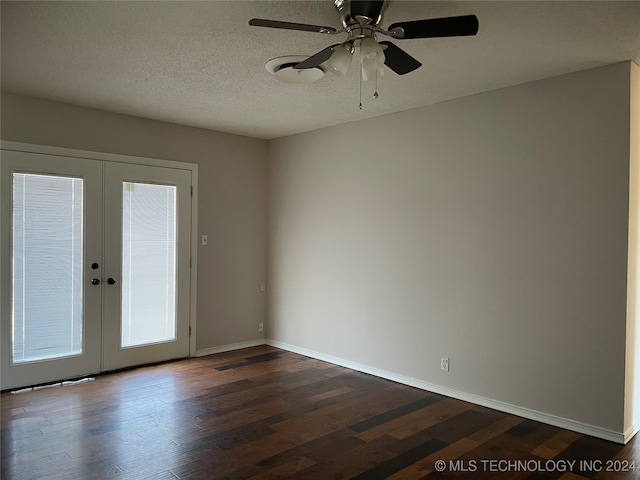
(95, 281)
(111, 281)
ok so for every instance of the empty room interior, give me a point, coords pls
(320, 239)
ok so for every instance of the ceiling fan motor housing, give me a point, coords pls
(350, 9)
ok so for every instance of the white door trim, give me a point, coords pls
(112, 157)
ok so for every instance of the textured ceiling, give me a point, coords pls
(201, 64)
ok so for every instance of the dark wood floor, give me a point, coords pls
(264, 413)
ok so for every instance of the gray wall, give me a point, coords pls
(232, 199)
(490, 229)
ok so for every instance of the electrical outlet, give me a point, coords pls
(263, 286)
(444, 364)
(260, 327)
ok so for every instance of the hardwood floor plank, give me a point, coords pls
(556, 444)
(629, 455)
(421, 420)
(491, 431)
(321, 450)
(332, 393)
(389, 467)
(285, 470)
(350, 462)
(592, 453)
(572, 476)
(265, 357)
(426, 465)
(395, 413)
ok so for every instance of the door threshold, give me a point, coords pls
(58, 383)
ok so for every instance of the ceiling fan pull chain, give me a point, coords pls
(375, 94)
(360, 87)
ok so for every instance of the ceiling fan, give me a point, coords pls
(361, 21)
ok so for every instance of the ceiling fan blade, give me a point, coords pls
(398, 60)
(438, 27)
(317, 59)
(261, 22)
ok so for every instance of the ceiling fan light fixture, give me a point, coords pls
(371, 56)
(340, 61)
(369, 48)
(372, 74)
(373, 63)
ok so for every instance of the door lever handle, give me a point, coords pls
(95, 281)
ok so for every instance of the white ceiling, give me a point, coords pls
(201, 64)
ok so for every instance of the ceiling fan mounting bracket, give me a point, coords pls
(360, 33)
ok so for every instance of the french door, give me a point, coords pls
(146, 258)
(95, 266)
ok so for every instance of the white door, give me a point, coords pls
(147, 273)
(51, 240)
(95, 266)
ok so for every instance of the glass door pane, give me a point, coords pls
(47, 260)
(148, 264)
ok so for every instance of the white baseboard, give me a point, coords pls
(630, 432)
(613, 436)
(230, 347)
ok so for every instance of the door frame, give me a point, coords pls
(111, 157)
